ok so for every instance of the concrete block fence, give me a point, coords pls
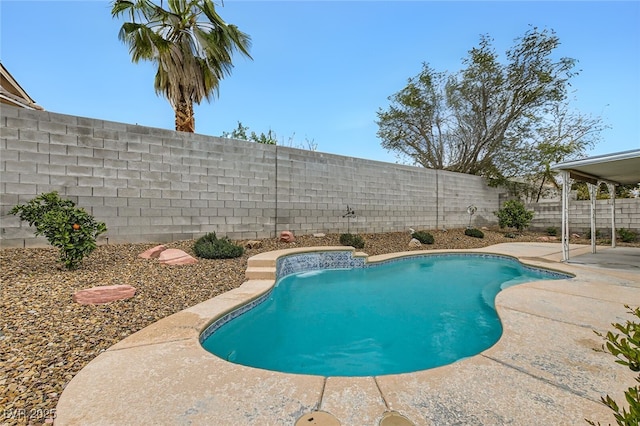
(550, 215)
(156, 185)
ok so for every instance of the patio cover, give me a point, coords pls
(620, 168)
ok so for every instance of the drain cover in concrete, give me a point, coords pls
(392, 418)
(319, 418)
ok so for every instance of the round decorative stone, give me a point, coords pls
(414, 243)
(287, 237)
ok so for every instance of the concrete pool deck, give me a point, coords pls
(543, 370)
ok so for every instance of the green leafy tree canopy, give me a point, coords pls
(494, 119)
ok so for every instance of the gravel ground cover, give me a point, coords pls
(46, 338)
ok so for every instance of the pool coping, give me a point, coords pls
(542, 367)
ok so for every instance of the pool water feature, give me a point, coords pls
(397, 316)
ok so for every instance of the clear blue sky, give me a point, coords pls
(321, 69)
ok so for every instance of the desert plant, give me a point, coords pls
(552, 231)
(355, 241)
(514, 215)
(627, 235)
(70, 229)
(423, 236)
(626, 348)
(209, 246)
(474, 232)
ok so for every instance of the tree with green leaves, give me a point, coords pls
(492, 119)
(70, 229)
(563, 135)
(189, 42)
(513, 214)
(240, 133)
(270, 138)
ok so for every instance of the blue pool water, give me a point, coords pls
(406, 315)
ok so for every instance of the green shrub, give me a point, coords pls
(69, 228)
(552, 231)
(627, 235)
(211, 247)
(514, 215)
(626, 349)
(355, 241)
(509, 235)
(423, 236)
(474, 232)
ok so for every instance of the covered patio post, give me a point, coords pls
(592, 196)
(612, 197)
(565, 215)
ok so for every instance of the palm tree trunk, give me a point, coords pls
(185, 119)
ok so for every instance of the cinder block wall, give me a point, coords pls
(156, 185)
(550, 215)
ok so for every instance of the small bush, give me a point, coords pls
(509, 235)
(69, 228)
(211, 247)
(514, 215)
(552, 231)
(624, 345)
(627, 236)
(474, 232)
(355, 241)
(423, 236)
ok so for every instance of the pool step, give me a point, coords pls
(261, 262)
(262, 266)
(260, 273)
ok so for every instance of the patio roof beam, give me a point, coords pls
(585, 177)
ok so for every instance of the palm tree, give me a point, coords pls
(190, 43)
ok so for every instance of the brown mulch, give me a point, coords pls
(46, 338)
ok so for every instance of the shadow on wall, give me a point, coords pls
(479, 220)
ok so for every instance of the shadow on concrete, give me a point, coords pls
(627, 258)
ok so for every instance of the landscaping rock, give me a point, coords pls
(152, 253)
(103, 294)
(175, 257)
(287, 237)
(414, 243)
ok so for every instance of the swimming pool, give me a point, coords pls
(334, 315)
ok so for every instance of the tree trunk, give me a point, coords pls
(544, 178)
(185, 119)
